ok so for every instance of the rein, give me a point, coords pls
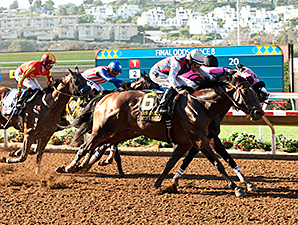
(66, 94)
(236, 105)
(231, 99)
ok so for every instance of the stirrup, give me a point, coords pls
(162, 110)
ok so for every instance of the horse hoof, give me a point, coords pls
(121, 175)
(12, 154)
(103, 163)
(171, 189)
(157, 185)
(73, 169)
(3, 160)
(252, 187)
(239, 192)
(61, 169)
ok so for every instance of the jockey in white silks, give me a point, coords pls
(166, 73)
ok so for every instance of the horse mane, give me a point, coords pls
(220, 81)
(52, 86)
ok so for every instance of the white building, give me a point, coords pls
(126, 11)
(152, 17)
(101, 12)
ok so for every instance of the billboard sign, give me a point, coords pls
(265, 60)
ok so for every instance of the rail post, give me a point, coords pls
(5, 139)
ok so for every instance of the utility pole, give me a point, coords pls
(238, 24)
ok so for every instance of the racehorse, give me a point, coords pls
(214, 141)
(115, 119)
(214, 130)
(41, 115)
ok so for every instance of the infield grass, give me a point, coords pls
(287, 131)
(60, 56)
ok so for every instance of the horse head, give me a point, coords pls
(144, 82)
(253, 79)
(78, 85)
(243, 96)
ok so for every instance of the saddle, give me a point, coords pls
(10, 100)
(147, 113)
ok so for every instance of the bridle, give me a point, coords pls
(238, 94)
(73, 88)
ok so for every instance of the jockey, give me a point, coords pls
(102, 74)
(210, 67)
(166, 73)
(27, 73)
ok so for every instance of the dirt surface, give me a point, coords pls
(100, 196)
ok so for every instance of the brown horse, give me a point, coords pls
(115, 119)
(41, 115)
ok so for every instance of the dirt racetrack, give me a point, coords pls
(102, 197)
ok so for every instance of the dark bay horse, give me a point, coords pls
(43, 113)
(214, 131)
(84, 120)
(214, 141)
(115, 119)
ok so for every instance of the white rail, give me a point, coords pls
(281, 115)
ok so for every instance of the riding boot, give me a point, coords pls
(166, 101)
(21, 103)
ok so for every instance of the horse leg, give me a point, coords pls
(88, 162)
(109, 159)
(91, 144)
(187, 160)
(118, 161)
(18, 152)
(221, 150)
(178, 152)
(207, 151)
(27, 142)
(40, 148)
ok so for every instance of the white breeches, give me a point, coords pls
(28, 82)
(95, 86)
(163, 79)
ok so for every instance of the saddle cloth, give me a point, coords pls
(73, 108)
(9, 102)
(11, 99)
(148, 106)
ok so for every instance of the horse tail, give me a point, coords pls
(84, 121)
(87, 113)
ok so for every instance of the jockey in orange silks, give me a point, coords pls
(27, 73)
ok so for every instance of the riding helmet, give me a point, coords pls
(196, 56)
(211, 61)
(115, 66)
(48, 58)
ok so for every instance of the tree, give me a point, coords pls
(261, 38)
(244, 37)
(49, 5)
(14, 5)
(22, 46)
(62, 12)
(88, 2)
(86, 18)
(184, 33)
(97, 3)
(288, 35)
